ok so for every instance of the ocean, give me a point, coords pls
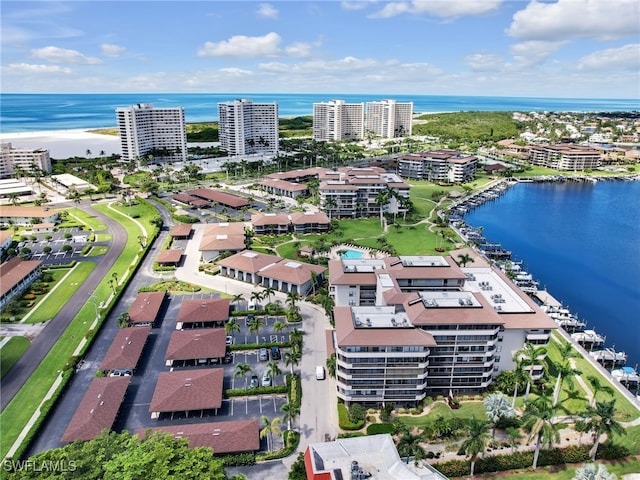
(36, 112)
(581, 241)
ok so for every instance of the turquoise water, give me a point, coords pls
(33, 112)
(352, 255)
(582, 242)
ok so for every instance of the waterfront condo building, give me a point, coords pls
(337, 121)
(438, 165)
(565, 157)
(411, 326)
(16, 159)
(389, 119)
(148, 131)
(248, 128)
(351, 192)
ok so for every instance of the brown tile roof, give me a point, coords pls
(337, 276)
(126, 348)
(188, 199)
(348, 335)
(188, 390)
(223, 437)
(303, 218)
(196, 343)
(284, 185)
(423, 316)
(226, 228)
(170, 256)
(205, 310)
(331, 349)
(97, 410)
(28, 212)
(223, 198)
(146, 307)
(298, 174)
(260, 219)
(182, 230)
(222, 243)
(249, 261)
(297, 273)
(13, 271)
(5, 235)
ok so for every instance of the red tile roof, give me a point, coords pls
(182, 230)
(12, 272)
(223, 437)
(126, 348)
(97, 410)
(249, 261)
(205, 310)
(188, 390)
(196, 343)
(223, 198)
(296, 273)
(146, 307)
(170, 256)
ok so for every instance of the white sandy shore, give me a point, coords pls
(65, 143)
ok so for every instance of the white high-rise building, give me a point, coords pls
(22, 158)
(145, 130)
(247, 128)
(389, 119)
(337, 120)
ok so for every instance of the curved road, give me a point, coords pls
(41, 345)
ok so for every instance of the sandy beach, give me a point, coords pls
(65, 143)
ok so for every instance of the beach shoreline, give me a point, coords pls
(66, 143)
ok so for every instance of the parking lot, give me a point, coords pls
(51, 247)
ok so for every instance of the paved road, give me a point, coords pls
(39, 348)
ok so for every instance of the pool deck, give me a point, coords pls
(366, 252)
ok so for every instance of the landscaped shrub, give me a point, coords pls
(240, 392)
(385, 413)
(356, 413)
(611, 451)
(351, 435)
(343, 419)
(454, 468)
(238, 459)
(377, 428)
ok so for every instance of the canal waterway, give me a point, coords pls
(581, 241)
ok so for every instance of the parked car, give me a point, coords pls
(229, 340)
(228, 358)
(263, 355)
(121, 372)
(319, 372)
(254, 381)
(266, 379)
(275, 353)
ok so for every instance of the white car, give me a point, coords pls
(229, 340)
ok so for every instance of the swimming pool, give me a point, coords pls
(352, 254)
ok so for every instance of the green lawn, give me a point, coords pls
(89, 220)
(97, 251)
(356, 230)
(48, 309)
(565, 472)
(466, 410)
(16, 415)
(11, 352)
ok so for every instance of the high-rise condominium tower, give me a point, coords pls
(247, 128)
(145, 130)
(389, 119)
(337, 120)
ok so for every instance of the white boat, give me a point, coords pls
(626, 375)
(609, 356)
(588, 338)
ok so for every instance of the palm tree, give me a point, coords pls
(295, 336)
(111, 284)
(514, 437)
(331, 365)
(519, 376)
(382, 198)
(290, 412)
(255, 325)
(237, 298)
(231, 326)
(256, 296)
(279, 326)
(529, 356)
(598, 386)
(273, 369)
(464, 259)
(409, 446)
(565, 372)
(476, 441)
(292, 358)
(497, 407)
(269, 428)
(267, 293)
(538, 420)
(601, 420)
(329, 205)
(590, 471)
(242, 369)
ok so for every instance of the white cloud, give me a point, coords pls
(243, 46)
(485, 62)
(237, 72)
(298, 49)
(565, 19)
(626, 57)
(22, 68)
(438, 8)
(111, 50)
(533, 52)
(63, 55)
(357, 5)
(267, 10)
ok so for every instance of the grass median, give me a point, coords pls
(11, 352)
(16, 415)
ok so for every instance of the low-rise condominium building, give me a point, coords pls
(438, 165)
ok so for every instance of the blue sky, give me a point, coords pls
(564, 48)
